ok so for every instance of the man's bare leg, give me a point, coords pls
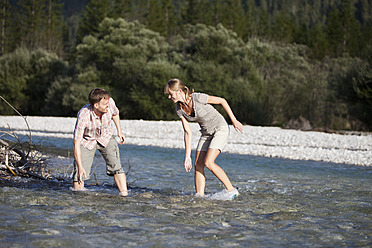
(121, 183)
(78, 186)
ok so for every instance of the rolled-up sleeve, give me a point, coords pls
(201, 97)
(179, 112)
(114, 109)
(80, 125)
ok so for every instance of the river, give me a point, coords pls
(282, 203)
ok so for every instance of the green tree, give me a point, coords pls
(191, 14)
(343, 30)
(263, 26)
(355, 88)
(45, 67)
(93, 14)
(59, 98)
(317, 42)
(131, 62)
(214, 61)
(351, 25)
(251, 22)
(13, 79)
(54, 29)
(123, 9)
(5, 14)
(232, 16)
(170, 16)
(289, 86)
(284, 28)
(160, 16)
(366, 51)
(39, 24)
(156, 17)
(25, 78)
(31, 23)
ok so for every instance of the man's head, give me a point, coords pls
(97, 94)
(99, 99)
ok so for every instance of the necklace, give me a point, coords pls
(187, 107)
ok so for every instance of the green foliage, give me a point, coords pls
(343, 30)
(6, 20)
(284, 28)
(39, 25)
(57, 98)
(284, 71)
(216, 62)
(92, 16)
(45, 67)
(123, 56)
(243, 51)
(14, 70)
(123, 9)
(150, 101)
(26, 77)
(354, 87)
(362, 84)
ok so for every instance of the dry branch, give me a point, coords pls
(19, 158)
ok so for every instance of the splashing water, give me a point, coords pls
(223, 195)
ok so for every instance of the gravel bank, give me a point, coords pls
(260, 141)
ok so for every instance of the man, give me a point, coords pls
(93, 131)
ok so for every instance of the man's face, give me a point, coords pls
(102, 106)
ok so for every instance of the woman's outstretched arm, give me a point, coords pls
(219, 100)
(188, 142)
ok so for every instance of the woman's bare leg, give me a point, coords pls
(206, 159)
(215, 169)
(199, 172)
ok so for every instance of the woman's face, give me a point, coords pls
(175, 95)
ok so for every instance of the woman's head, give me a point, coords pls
(176, 90)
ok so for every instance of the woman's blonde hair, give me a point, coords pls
(176, 84)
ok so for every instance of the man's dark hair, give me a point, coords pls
(97, 94)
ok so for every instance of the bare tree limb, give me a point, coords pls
(7, 163)
(28, 127)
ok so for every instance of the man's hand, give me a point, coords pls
(81, 173)
(121, 138)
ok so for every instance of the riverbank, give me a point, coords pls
(258, 141)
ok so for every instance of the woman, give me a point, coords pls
(215, 131)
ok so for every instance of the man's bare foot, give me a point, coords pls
(124, 193)
(79, 189)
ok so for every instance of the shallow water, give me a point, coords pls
(282, 203)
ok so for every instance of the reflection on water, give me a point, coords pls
(282, 203)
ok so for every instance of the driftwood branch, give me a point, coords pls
(24, 118)
(19, 158)
(7, 163)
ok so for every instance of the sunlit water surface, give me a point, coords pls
(282, 203)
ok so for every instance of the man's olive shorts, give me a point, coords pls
(110, 154)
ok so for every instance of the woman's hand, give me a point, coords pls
(187, 163)
(219, 100)
(238, 126)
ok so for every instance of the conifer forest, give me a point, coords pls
(304, 64)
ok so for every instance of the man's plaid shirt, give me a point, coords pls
(90, 129)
